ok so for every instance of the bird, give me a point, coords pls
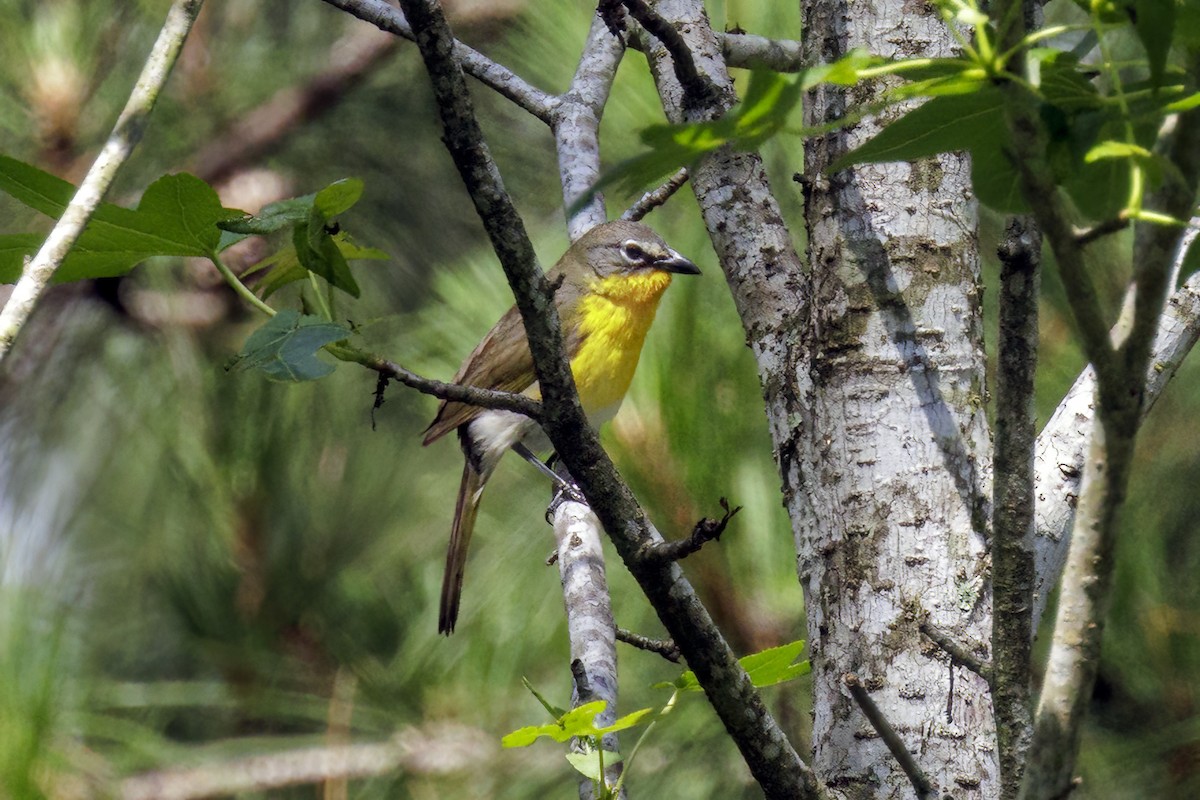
(609, 283)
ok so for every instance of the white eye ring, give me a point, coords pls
(633, 253)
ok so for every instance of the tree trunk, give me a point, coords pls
(885, 474)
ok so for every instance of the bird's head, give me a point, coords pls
(621, 248)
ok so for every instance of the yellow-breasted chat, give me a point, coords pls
(609, 284)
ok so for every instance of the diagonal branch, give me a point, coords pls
(697, 86)
(656, 197)
(895, 745)
(124, 137)
(477, 65)
(460, 393)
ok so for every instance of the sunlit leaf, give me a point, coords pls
(765, 668)
(578, 722)
(338, 197)
(590, 764)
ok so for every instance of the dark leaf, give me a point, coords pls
(285, 348)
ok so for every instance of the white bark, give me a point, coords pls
(889, 496)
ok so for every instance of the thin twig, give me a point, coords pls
(507, 83)
(706, 530)
(1088, 235)
(459, 393)
(656, 197)
(957, 652)
(895, 745)
(663, 647)
(124, 137)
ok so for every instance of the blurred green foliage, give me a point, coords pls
(199, 564)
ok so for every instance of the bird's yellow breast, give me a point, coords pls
(614, 316)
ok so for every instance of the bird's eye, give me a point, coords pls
(633, 253)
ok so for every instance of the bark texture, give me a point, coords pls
(886, 476)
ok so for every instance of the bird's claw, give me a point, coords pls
(565, 493)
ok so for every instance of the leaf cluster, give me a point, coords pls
(180, 215)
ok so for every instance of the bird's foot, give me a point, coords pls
(564, 493)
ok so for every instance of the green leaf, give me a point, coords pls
(1184, 104)
(324, 259)
(776, 665)
(35, 188)
(285, 348)
(274, 216)
(846, 71)
(177, 216)
(1112, 149)
(578, 722)
(995, 181)
(972, 122)
(338, 197)
(765, 668)
(589, 764)
(1154, 23)
(14, 247)
(353, 251)
(1063, 81)
(184, 210)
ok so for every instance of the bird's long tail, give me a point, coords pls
(460, 539)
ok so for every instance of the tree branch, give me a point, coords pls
(460, 393)
(705, 531)
(577, 126)
(503, 80)
(124, 137)
(590, 623)
(1013, 497)
(663, 647)
(957, 652)
(698, 88)
(1063, 442)
(748, 51)
(895, 745)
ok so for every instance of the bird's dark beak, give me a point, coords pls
(678, 264)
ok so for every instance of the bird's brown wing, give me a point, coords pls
(502, 360)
